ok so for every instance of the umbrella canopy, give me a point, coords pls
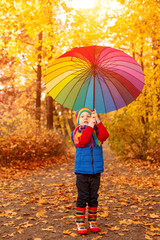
(97, 77)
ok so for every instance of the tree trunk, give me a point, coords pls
(145, 118)
(56, 118)
(156, 47)
(39, 76)
(64, 122)
(71, 122)
(49, 103)
(50, 106)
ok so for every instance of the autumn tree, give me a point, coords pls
(136, 32)
(35, 27)
(86, 27)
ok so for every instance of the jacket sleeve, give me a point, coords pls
(102, 132)
(84, 139)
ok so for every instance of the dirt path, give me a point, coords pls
(41, 205)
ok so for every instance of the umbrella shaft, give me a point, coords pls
(93, 90)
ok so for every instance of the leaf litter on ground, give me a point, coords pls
(40, 203)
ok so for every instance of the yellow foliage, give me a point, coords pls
(134, 29)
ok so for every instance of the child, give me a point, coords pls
(88, 138)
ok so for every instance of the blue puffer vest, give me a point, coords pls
(88, 160)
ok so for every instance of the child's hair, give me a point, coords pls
(80, 111)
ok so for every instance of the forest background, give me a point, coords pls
(32, 124)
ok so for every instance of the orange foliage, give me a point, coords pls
(32, 146)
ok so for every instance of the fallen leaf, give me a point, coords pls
(153, 233)
(9, 213)
(121, 234)
(41, 213)
(103, 233)
(66, 232)
(125, 230)
(148, 237)
(126, 221)
(154, 229)
(26, 225)
(50, 228)
(20, 230)
(114, 228)
(9, 224)
(105, 214)
(152, 215)
(42, 201)
(74, 235)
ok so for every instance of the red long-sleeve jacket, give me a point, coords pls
(84, 139)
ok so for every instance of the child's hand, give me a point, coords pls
(94, 116)
(95, 113)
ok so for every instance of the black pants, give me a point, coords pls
(87, 186)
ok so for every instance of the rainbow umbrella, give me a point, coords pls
(97, 77)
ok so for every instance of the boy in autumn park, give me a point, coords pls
(88, 138)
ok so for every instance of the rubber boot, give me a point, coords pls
(80, 220)
(92, 219)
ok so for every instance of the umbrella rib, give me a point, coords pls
(127, 57)
(116, 88)
(110, 93)
(132, 76)
(90, 56)
(87, 72)
(122, 76)
(86, 92)
(102, 59)
(102, 93)
(61, 68)
(78, 91)
(110, 60)
(80, 60)
(59, 82)
(126, 67)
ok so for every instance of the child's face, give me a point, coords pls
(84, 118)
